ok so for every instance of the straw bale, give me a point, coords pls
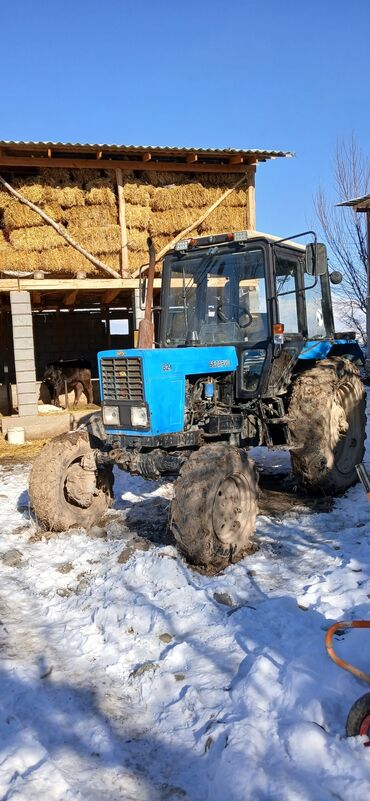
(14, 260)
(91, 216)
(35, 191)
(101, 196)
(224, 220)
(137, 240)
(137, 217)
(36, 238)
(136, 194)
(137, 259)
(65, 260)
(57, 176)
(98, 240)
(5, 198)
(17, 215)
(4, 243)
(173, 221)
(67, 196)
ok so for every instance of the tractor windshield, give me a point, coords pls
(216, 297)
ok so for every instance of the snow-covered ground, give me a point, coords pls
(126, 675)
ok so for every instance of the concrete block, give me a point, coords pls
(26, 398)
(21, 319)
(26, 387)
(27, 408)
(19, 297)
(23, 364)
(21, 308)
(26, 376)
(23, 355)
(22, 343)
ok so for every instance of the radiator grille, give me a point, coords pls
(122, 379)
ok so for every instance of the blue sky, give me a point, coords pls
(275, 74)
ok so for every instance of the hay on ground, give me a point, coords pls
(20, 453)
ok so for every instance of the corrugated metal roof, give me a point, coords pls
(257, 153)
(362, 203)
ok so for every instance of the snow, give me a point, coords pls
(127, 675)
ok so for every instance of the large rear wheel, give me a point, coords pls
(327, 422)
(213, 513)
(66, 488)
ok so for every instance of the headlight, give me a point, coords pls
(111, 415)
(139, 416)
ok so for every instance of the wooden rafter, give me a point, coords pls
(123, 164)
(109, 296)
(70, 298)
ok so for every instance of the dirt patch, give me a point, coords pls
(279, 494)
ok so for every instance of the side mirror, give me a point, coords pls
(316, 259)
(336, 277)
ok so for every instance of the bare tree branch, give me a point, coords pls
(344, 231)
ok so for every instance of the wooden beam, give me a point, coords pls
(123, 164)
(251, 199)
(109, 296)
(236, 160)
(122, 224)
(49, 153)
(70, 298)
(147, 157)
(99, 154)
(68, 284)
(36, 298)
(191, 158)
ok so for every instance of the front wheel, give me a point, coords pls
(66, 488)
(213, 513)
(358, 721)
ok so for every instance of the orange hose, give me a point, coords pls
(346, 624)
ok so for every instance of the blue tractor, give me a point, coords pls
(247, 356)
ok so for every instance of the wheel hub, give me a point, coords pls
(80, 483)
(231, 508)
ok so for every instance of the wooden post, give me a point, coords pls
(251, 199)
(122, 223)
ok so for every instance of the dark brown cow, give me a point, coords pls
(77, 374)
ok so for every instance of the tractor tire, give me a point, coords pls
(327, 422)
(358, 721)
(213, 513)
(66, 489)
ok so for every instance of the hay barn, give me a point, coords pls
(57, 301)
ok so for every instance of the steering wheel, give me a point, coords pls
(242, 312)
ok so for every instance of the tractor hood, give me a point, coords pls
(154, 380)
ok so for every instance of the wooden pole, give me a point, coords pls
(122, 223)
(60, 229)
(251, 199)
(146, 327)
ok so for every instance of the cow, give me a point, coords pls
(77, 374)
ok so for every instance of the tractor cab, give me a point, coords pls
(266, 297)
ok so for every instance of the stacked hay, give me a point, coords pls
(157, 204)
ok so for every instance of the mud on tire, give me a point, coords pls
(327, 423)
(66, 490)
(213, 513)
